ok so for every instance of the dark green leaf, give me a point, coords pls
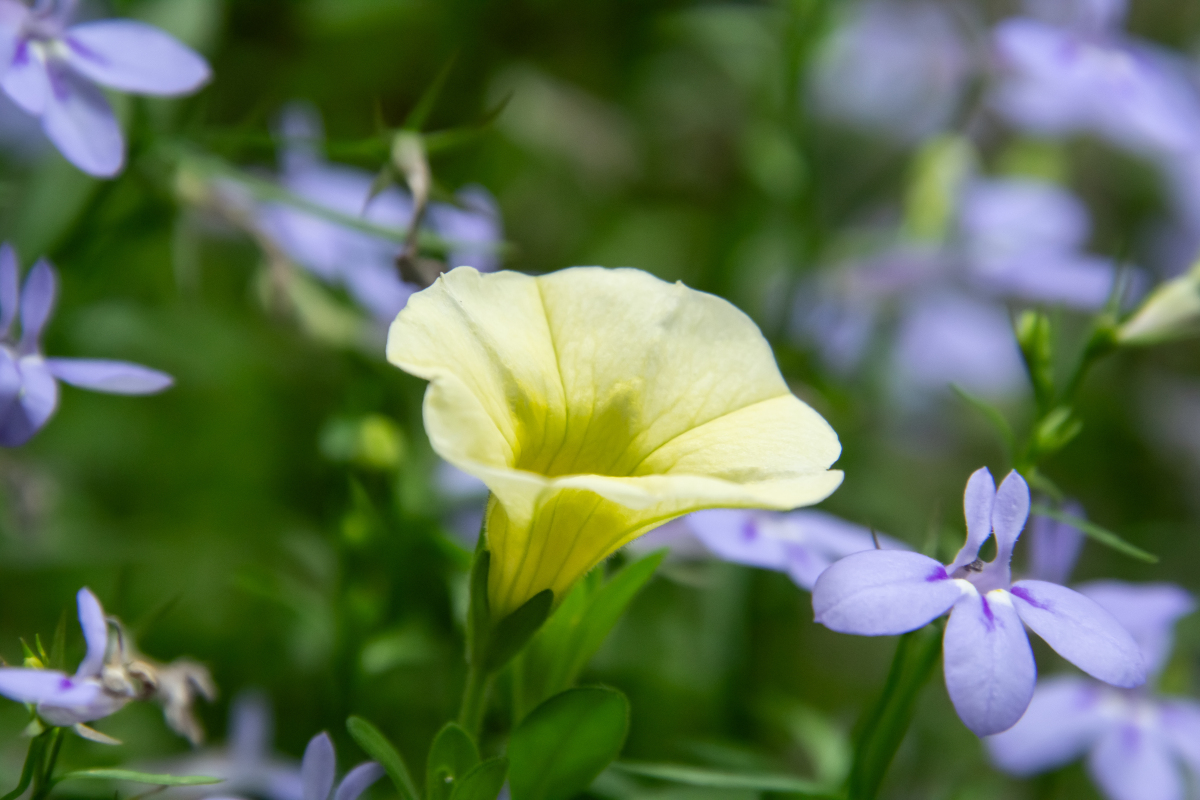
(420, 114)
(510, 634)
(484, 782)
(566, 742)
(992, 415)
(556, 656)
(1101, 535)
(376, 745)
(717, 779)
(451, 756)
(58, 647)
(140, 777)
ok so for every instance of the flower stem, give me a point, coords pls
(883, 727)
(42, 778)
(474, 700)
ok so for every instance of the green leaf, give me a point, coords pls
(1101, 535)
(479, 616)
(140, 777)
(420, 114)
(566, 742)
(717, 779)
(451, 756)
(513, 632)
(484, 782)
(560, 651)
(886, 723)
(33, 758)
(376, 745)
(992, 415)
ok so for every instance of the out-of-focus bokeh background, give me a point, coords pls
(881, 185)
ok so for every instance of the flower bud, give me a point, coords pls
(1172, 311)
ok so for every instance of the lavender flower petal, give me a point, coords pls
(1133, 762)
(114, 377)
(883, 592)
(88, 704)
(1080, 631)
(1009, 514)
(34, 405)
(1181, 727)
(978, 499)
(473, 230)
(37, 685)
(81, 124)
(1063, 720)
(37, 303)
(250, 728)
(10, 288)
(1054, 547)
(377, 288)
(134, 57)
(1147, 610)
(988, 663)
(317, 769)
(358, 780)
(95, 633)
(735, 535)
(26, 81)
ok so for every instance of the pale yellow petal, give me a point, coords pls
(598, 403)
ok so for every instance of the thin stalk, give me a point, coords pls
(474, 700)
(42, 779)
(886, 723)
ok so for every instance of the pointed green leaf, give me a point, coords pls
(566, 742)
(58, 648)
(140, 777)
(718, 779)
(484, 782)
(577, 629)
(1101, 535)
(451, 756)
(420, 114)
(510, 634)
(376, 745)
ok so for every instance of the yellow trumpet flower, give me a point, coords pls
(597, 404)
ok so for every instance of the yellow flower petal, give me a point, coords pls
(597, 404)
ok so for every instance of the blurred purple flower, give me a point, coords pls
(1054, 546)
(900, 68)
(28, 389)
(246, 763)
(362, 262)
(988, 663)
(801, 543)
(948, 337)
(319, 768)
(1137, 742)
(53, 69)
(1023, 238)
(69, 700)
(1060, 80)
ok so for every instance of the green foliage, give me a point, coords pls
(564, 743)
(562, 648)
(452, 756)
(138, 777)
(376, 745)
(716, 779)
(482, 782)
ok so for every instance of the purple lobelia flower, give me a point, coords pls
(246, 764)
(1081, 77)
(54, 68)
(28, 385)
(63, 699)
(1138, 743)
(362, 262)
(988, 663)
(319, 769)
(1023, 238)
(900, 68)
(801, 543)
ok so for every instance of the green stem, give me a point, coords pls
(42, 778)
(33, 761)
(886, 723)
(474, 700)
